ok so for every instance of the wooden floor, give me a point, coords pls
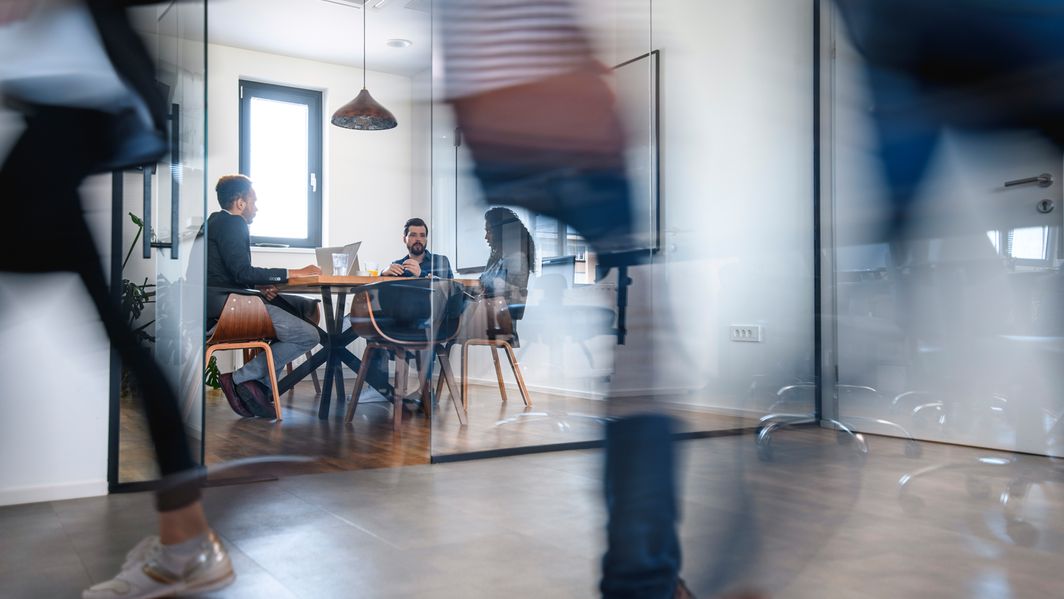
(370, 442)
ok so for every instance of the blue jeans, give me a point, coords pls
(643, 555)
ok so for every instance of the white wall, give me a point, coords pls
(53, 437)
(737, 105)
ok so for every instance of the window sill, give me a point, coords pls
(269, 250)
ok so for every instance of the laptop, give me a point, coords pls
(325, 262)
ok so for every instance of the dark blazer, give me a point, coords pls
(229, 261)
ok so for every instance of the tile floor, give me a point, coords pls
(817, 521)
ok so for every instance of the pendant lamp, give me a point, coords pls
(364, 113)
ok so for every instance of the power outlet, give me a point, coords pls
(745, 332)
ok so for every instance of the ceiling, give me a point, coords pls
(327, 30)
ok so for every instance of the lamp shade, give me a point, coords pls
(365, 114)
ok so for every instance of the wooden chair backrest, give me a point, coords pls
(364, 322)
(500, 321)
(492, 314)
(244, 318)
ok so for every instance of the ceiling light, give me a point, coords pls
(364, 113)
(396, 42)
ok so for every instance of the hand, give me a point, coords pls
(268, 291)
(310, 270)
(14, 10)
(393, 270)
(413, 266)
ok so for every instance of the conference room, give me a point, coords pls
(273, 95)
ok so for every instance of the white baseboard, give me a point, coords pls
(562, 391)
(36, 494)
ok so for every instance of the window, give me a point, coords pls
(1027, 246)
(280, 149)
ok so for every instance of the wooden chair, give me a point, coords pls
(314, 319)
(383, 332)
(500, 333)
(245, 324)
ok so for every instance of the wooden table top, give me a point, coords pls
(352, 281)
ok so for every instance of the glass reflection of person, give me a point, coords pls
(512, 259)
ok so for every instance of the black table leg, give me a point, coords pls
(338, 349)
(330, 365)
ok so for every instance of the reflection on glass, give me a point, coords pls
(279, 167)
(1029, 243)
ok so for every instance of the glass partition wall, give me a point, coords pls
(719, 315)
(718, 319)
(949, 328)
(164, 260)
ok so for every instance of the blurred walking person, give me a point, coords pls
(539, 117)
(86, 87)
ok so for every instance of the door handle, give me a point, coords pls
(148, 172)
(175, 191)
(1043, 180)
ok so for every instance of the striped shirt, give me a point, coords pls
(495, 44)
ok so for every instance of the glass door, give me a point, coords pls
(948, 324)
(166, 262)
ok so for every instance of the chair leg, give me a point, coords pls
(439, 386)
(313, 375)
(517, 374)
(423, 381)
(401, 366)
(465, 377)
(498, 371)
(447, 375)
(273, 383)
(360, 380)
(397, 392)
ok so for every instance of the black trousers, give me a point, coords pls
(47, 232)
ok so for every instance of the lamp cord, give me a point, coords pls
(364, 9)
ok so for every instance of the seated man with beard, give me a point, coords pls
(418, 262)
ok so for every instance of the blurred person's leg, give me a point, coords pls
(643, 554)
(39, 183)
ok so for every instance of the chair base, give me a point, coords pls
(447, 376)
(265, 347)
(495, 344)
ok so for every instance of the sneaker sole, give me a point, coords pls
(194, 589)
(210, 585)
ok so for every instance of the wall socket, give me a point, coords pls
(745, 332)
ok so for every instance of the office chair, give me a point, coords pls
(407, 315)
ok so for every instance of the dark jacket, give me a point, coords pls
(507, 276)
(438, 266)
(229, 261)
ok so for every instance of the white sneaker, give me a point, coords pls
(144, 576)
